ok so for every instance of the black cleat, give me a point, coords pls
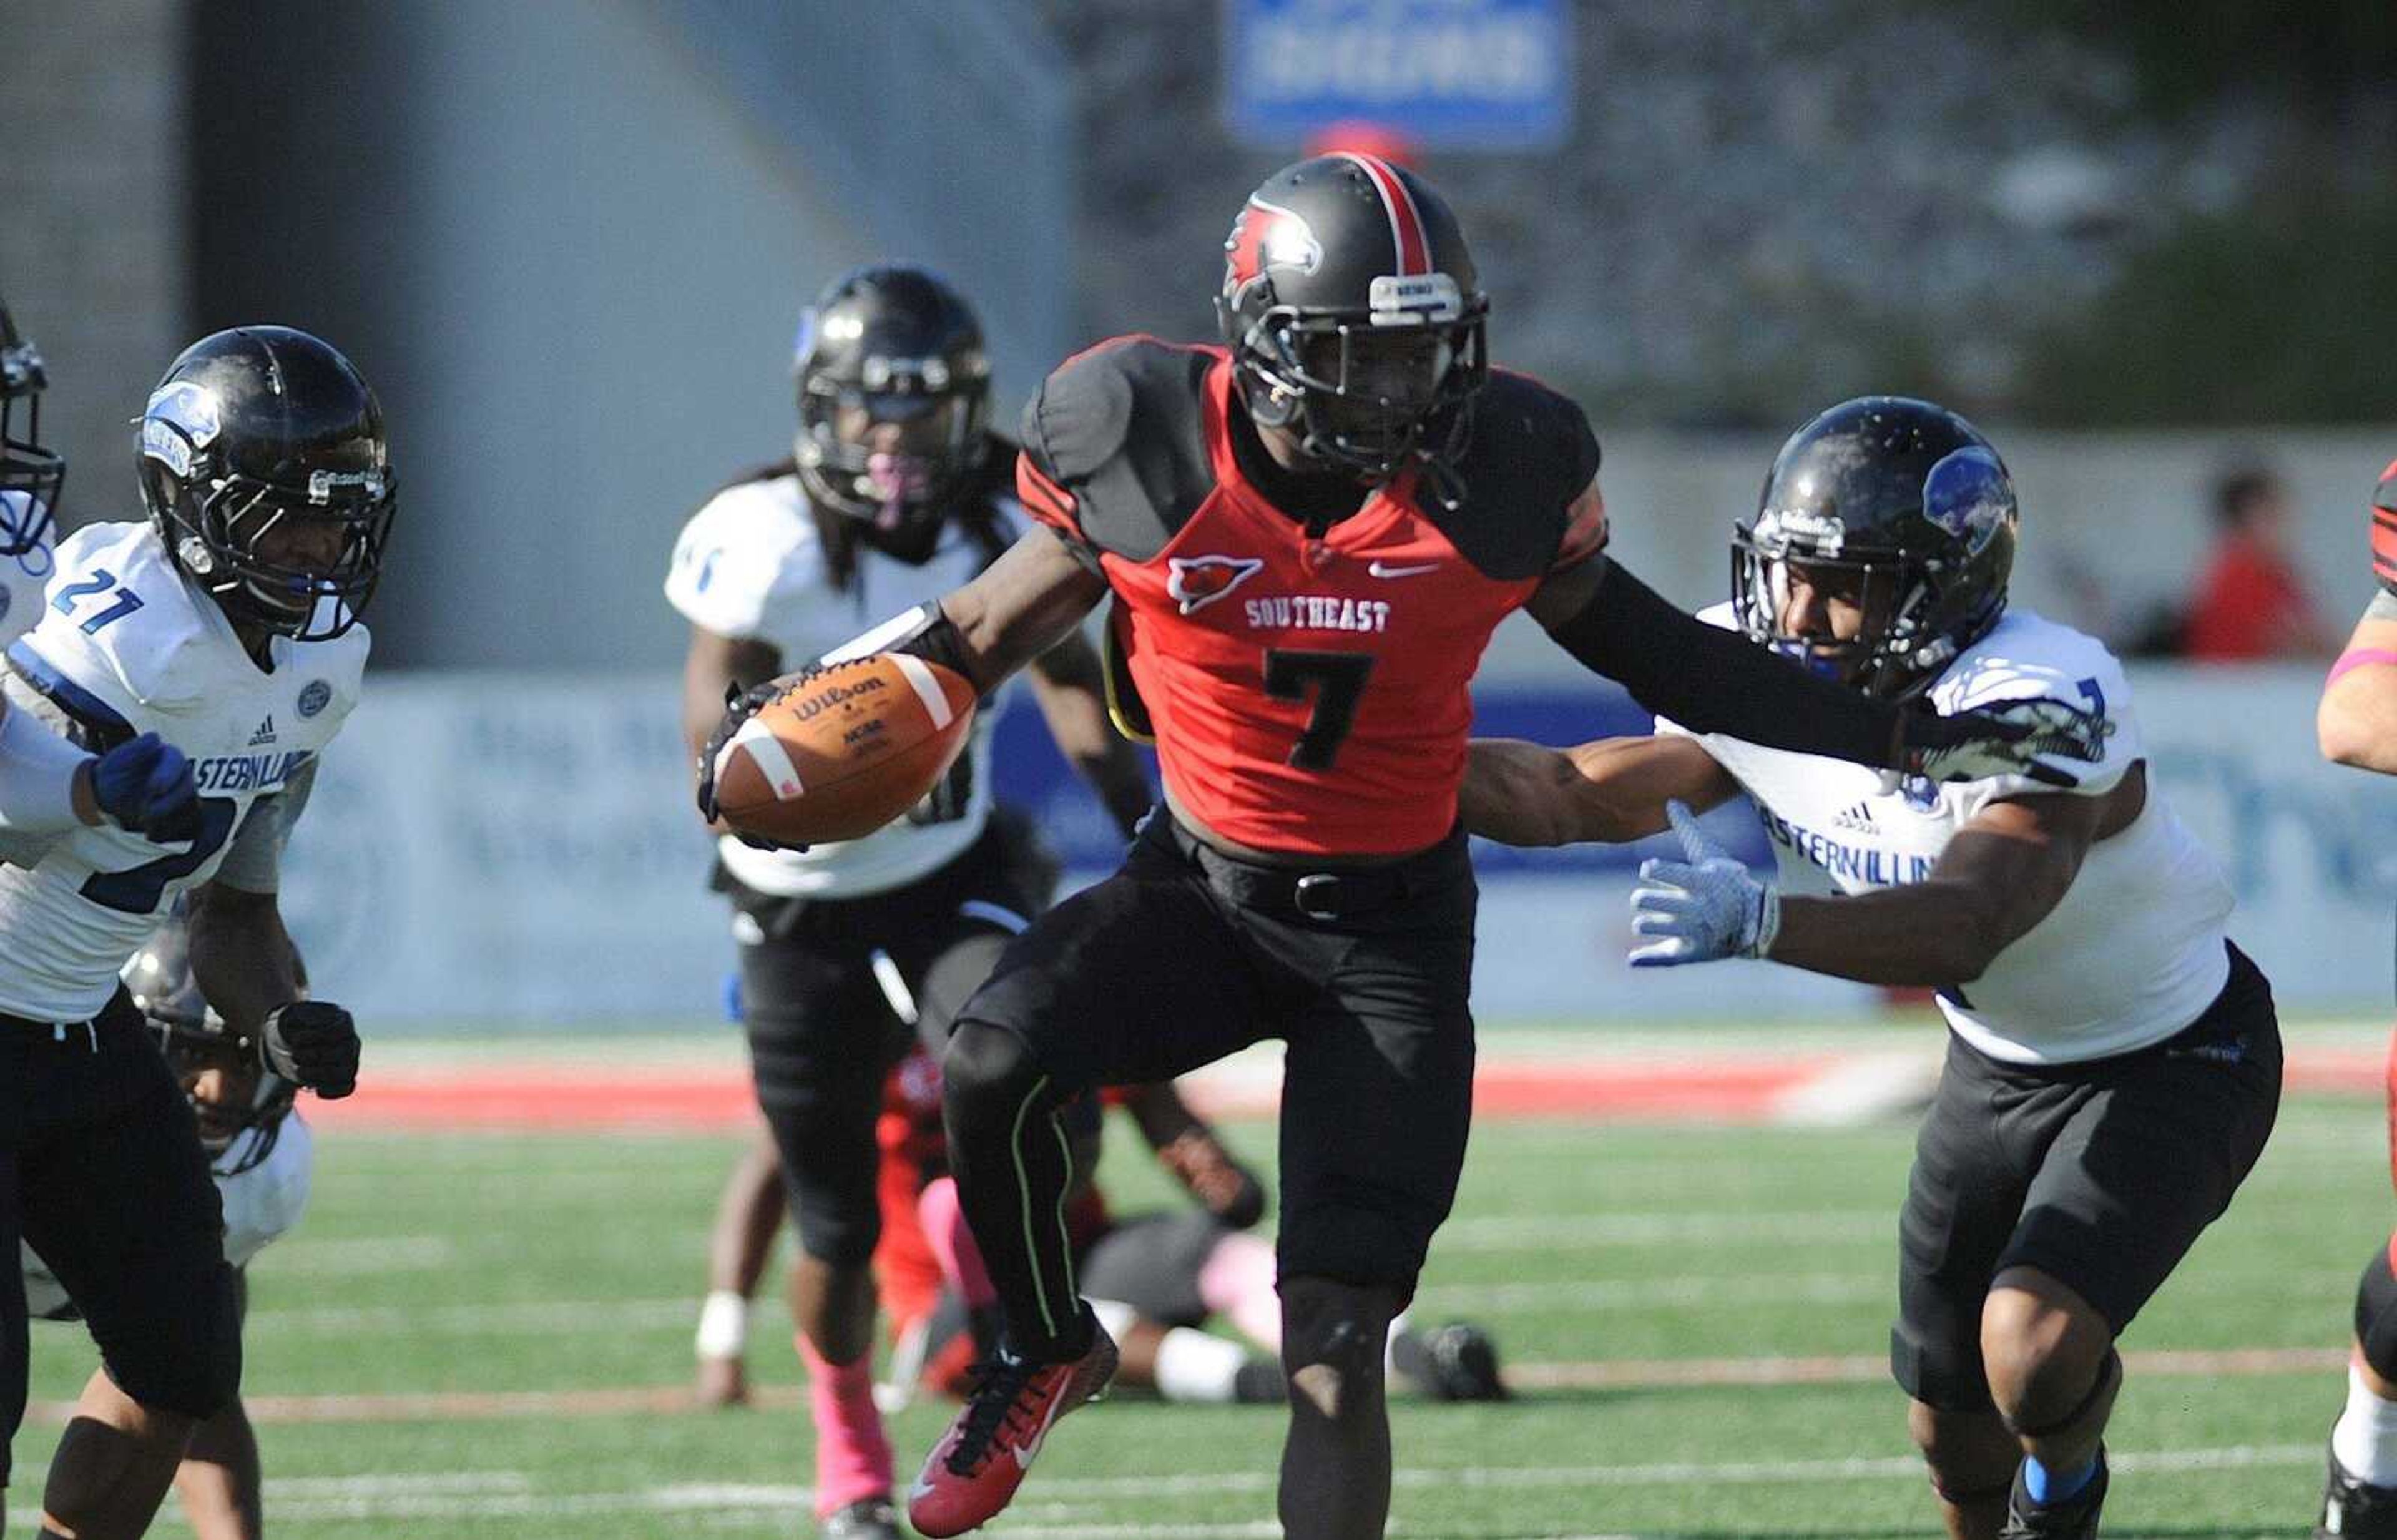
(2355, 1510)
(1455, 1363)
(867, 1519)
(2076, 1519)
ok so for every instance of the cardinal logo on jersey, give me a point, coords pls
(1197, 582)
(1267, 235)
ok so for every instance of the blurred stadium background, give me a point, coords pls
(2140, 244)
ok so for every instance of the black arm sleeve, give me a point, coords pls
(1712, 680)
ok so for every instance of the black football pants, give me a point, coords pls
(101, 1170)
(1181, 957)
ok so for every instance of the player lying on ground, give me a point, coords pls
(2113, 1066)
(1154, 1279)
(2357, 722)
(1311, 534)
(227, 621)
(262, 1155)
(896, 492)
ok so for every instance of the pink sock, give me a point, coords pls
(853, 1455)
(953, 1243)
(1237, 1282)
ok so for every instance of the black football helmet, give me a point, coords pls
(1902, 501)
(1354, 313)
(26, 468)
(195, 1038)
(260, 441)
(891, 344)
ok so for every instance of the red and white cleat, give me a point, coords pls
(974, 1471)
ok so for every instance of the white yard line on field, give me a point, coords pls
(384, 1499)
(653, 1400)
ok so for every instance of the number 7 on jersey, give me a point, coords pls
(1337, 680)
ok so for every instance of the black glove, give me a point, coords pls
(739, 706)
(145, 785)
(314, 1043)
(2006, 739)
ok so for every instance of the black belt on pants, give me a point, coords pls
(1329, 892)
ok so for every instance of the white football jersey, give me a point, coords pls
(125, 643)
(2133, 952)
(749, 566)
(261, 1205)
(23, 575)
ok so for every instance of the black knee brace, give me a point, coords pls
(2376, 1314)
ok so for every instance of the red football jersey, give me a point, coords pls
(1308, 694)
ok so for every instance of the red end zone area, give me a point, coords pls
(1584, 1082)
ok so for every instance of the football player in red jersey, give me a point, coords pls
(1309, 534)
(2357, 724)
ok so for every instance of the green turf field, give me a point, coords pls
(1623, 1264)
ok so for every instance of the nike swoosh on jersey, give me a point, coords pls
(1384, 569)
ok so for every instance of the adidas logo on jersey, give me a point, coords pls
(265, 733)
(1857, 819)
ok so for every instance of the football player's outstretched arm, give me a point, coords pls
(1712, 680)
(1023, 604)
(1020, 607)
(1607, 791)
(2357, 720)
(1999, 876)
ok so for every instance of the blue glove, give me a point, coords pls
(1704, 910)
(146, 787)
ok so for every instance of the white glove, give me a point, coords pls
(1704, 910)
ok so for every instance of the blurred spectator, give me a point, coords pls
(2248, 602)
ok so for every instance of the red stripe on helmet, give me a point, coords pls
(1407, 235)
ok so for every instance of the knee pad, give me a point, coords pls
(2376, 1313)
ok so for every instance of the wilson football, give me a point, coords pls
(843, 750)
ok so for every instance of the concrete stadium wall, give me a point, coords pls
(92, 217)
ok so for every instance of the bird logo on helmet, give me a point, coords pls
(1354, 313)
(264, 467)
(1907, 508)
